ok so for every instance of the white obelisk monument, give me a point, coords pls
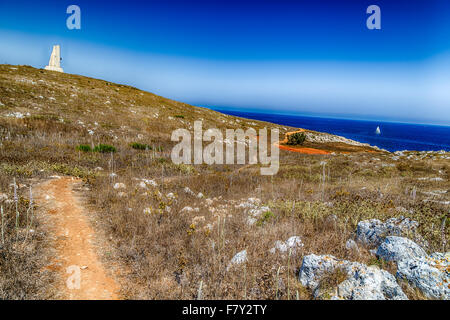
(55, 60)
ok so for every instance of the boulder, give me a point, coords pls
(430, 274)
(362, 282)
(397, 248)
(314, 267)
(370, 283)
(372, 232)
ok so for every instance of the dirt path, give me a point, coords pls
(74, 243)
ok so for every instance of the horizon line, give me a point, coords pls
(311, 115)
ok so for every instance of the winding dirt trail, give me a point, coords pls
(74, 244)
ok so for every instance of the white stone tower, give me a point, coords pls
(55, 60)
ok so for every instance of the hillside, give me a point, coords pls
(164, 230)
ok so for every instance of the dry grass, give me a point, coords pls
(167, 254)
(24, 250)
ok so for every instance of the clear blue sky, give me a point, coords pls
(309, 57)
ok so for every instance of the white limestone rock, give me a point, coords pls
(171, 196)
(142, 185)
(187, 209)
(314, 267)
(397, 249)
(238, 259)
(372, 232)
(253, 208)
(119, 185)
(189, 191)
(362, 282)
(430, 274)
(370, 283)
(150, 182)
(369, 232)
(293, 243)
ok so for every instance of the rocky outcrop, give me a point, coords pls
(397, 249)
(352, 280)
(372, 232)
(430, 274)
(322, 137)
(361, 282)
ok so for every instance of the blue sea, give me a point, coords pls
(394, 136)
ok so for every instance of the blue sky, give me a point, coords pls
(308, 57)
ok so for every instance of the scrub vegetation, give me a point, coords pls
(175, 228)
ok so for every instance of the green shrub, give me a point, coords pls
(104, 148)
(140, 146)
(267, 216)
(297, 138)
(179, 116)
(84, 148)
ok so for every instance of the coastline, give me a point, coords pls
(394, 136)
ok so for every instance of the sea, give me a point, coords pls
(393, 136)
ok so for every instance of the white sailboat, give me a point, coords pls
(378, 131)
